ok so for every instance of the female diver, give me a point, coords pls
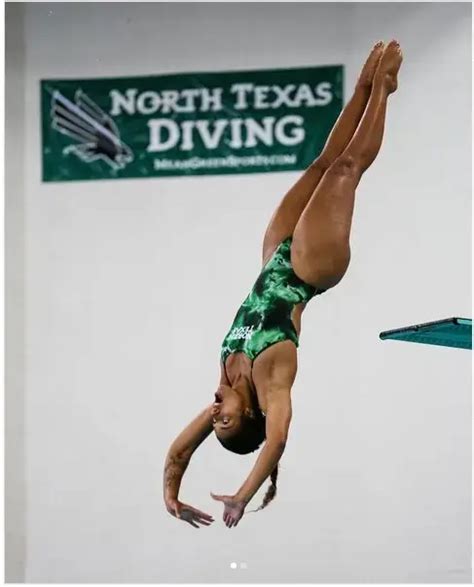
(305, 252)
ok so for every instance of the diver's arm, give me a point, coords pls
(278, 420)
(180, 452)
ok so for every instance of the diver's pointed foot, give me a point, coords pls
(389, 65)
(366, 76)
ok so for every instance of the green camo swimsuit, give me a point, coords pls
(264, 318)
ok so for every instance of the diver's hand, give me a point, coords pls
(233, 508)
(187, 513)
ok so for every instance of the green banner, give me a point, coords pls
(188, 124)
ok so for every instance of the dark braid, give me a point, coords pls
(271, 491)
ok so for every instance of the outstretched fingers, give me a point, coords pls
(196, 520)
(203, 515)
(195, 517)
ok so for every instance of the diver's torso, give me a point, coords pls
(275, 366)
(271, 312)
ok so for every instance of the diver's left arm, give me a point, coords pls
(177, 460)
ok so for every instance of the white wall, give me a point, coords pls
(15, 487)
(375, 482)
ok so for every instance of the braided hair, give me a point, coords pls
(271, 491)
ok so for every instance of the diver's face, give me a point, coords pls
(227, 411)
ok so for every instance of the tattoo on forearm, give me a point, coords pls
(174, 469)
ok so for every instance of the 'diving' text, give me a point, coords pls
(236, 133)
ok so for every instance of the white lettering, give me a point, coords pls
(153, 100)
(156, 126)
(323, 90)
(254, 131)
(236, 133)
(211, 99)
(187, 143)
(189, 98)
(304, 94)
(166, 133)
(119, 101)
(296, 135)
(241, 90)
(211, 140)
(240, 332)
(282, 95)
(169, 99)
(261, 94)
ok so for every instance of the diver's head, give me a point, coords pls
(238, 423)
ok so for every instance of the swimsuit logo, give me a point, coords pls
(241, 332)
(95, 132)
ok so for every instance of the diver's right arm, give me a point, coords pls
(177, 460)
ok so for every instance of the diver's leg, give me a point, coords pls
(293, 203)
(320, 247)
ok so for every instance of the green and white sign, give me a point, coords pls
(188, 124)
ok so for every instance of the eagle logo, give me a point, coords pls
(96, 133)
